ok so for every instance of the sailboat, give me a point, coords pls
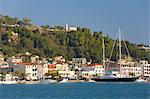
(111, 77)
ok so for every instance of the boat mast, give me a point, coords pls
(119, 45)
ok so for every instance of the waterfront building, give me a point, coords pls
(51, 67)
(129, 68)
(68, 74)
(112, 66)
(99, 69)
(33, 71)
(42, 69)
(16, 59)
(145, 68)
(124, 68)
(88, 74)
(79, 61)
(62, 67)
(5, 68)
(59, 59)
(34, 58)
(89, 71)
(29, 69)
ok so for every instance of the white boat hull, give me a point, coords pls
(8, 82)
(64, 81)
(140, 80)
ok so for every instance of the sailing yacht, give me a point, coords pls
(112, 77)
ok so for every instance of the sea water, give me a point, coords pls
(76, 91)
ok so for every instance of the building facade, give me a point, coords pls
(145, 68)
(128, 69)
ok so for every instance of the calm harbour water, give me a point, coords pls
(76, 91)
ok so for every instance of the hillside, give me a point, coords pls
(19, 36)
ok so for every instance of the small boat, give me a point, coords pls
(48, 81)
(64, 80)
(140, 80)
(8, 82)
(90, 80)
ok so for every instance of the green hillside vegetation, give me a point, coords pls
(20, 36)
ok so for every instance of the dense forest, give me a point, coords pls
(19, 36)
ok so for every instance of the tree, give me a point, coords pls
(3, 76)
(26, 21)
(16, 73)
(54, 74)
(80, 43)
(22, 76)
(15, 21)
(132, 74)
(9, 35)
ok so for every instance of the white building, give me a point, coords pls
(93, 70)
(99, 69)
(68, 74)
(59, 59)
(70, 28)
(145, 68)
(4, 66)
(42, 69)
(128, 68)
(34, 58)
(67, 27)
(62, 67)
(16, 60)
(88, 74)
(145, 48)
(33, 71)
(79, 61)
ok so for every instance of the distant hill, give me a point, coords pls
(19, 36)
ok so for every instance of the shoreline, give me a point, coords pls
(70, 81)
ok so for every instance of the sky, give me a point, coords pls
(132, 16)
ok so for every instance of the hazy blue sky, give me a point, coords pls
(132, 16)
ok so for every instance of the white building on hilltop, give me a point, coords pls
(70, 28)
